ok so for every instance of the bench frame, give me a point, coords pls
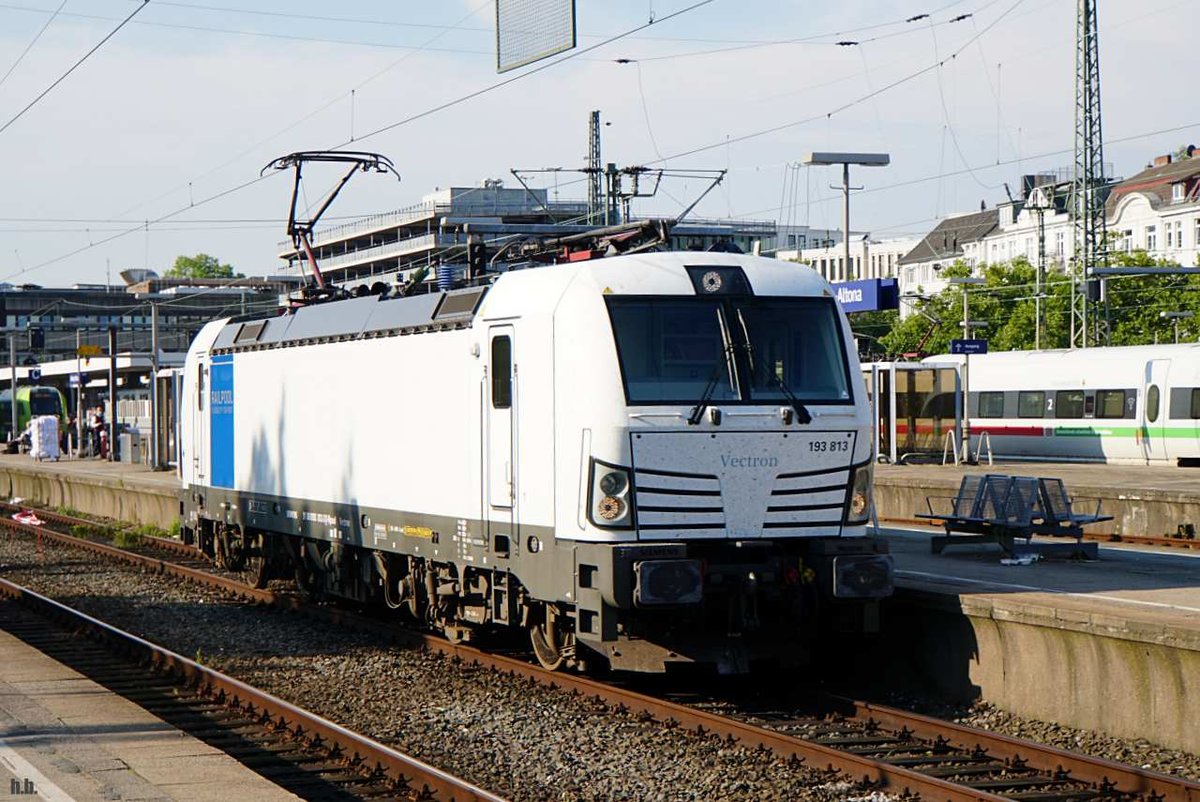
(1002, 509)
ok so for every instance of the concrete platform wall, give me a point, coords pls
(111, 497)
(1136, 683)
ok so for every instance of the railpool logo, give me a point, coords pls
(850, 295)
(733, 461)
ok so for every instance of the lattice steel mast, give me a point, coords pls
(594, 170)
(1087, 198)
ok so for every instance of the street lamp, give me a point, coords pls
(967, 325)
(1176, 316)
(847, 159)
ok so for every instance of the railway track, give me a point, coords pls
(889, 749)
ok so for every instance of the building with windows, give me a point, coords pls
(869, 257)
(1158, 210)
(82, 314)
(391, 246)
(959, 237)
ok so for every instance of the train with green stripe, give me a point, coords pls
(1131, 404)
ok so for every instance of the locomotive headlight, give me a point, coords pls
(614, 483)
(611, 508)
(858, 505)
(609, 501)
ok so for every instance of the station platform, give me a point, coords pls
(1143, 499)
(119, 490)
(1111, 645)
(64, 738)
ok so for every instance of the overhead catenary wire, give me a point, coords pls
(29, 46)
(73, 67)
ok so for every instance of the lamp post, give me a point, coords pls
(847, 159)
(1176, 317)
(964, 282)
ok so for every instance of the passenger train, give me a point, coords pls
(642, 460)
(1131, 404)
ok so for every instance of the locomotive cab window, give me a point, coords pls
(1031, 404)
(200, 387)
(991, 405)
(749, 350)
(501, 373)
(1110, 403)
(1068, 404)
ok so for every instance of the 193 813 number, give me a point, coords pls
(829, 445)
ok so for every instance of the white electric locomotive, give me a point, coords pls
(647, 459)
(1130, 404)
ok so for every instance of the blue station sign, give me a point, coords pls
(968, 346)
(868, 295)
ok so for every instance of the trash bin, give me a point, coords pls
(130, 447)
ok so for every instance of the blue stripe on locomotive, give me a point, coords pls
(221, 420)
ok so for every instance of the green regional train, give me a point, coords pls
(31, 402)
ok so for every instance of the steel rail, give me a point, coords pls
(1083, 768)
(356, 749)
(1097, 771)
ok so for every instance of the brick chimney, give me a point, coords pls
(1162, 161)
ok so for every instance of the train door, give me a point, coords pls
(501, 451)
(1154, 410)
(200, 444)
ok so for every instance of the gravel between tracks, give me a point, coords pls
(503, 734)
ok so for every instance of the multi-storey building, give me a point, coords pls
(869, 257)
(388, 247)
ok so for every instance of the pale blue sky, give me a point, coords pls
(191, 99)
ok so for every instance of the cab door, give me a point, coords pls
(501, 393)
(200, 444)
(1154, 410)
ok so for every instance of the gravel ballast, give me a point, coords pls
(507, 735)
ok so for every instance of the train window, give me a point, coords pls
(1068, 404)
(1185, 403)
(200, 386)
(501, 372)
(1152, 400)
(1031, 404)
(1110, 403)
(991, 405)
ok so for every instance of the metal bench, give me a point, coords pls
(1001, 509)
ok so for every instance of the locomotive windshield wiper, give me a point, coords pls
(802, 413)
(725, 357)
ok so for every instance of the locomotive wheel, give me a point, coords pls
(232, 548)
(257, 563)
(553, 647)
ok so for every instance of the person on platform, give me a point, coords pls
(96, 426)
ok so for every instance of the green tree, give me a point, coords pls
(201, 266)
(1006, 302)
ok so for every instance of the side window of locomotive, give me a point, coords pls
(501, 372)
(1152, 399)
(991, 405)
(1068, 404)
(1110, 403)
(1031, 404)
(200, 391)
